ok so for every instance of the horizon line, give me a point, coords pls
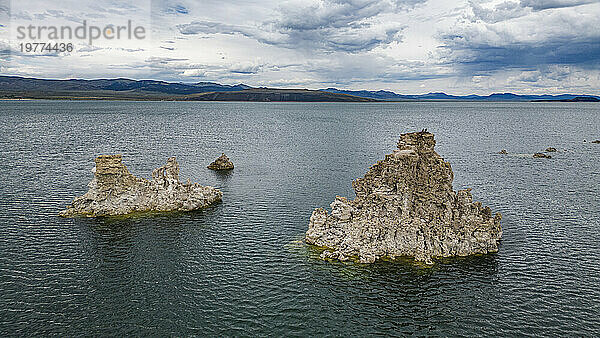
(292, 88)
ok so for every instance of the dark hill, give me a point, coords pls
(278, 95)
(20, 84)
(13, 87)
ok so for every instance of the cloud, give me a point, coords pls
(58, 14)
(177, 9)
(347, 39)
(565, 36)
(539, 5)
(245, 68)
(496, 12)
(194, 73)
(319, 25)
(346, 70)
(305, 15)
(155, 59)
(566, 78)
(110, 8)
(529, 76)
(88, 48)
(5, 51)
(503, 11)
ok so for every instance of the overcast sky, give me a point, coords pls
(408, 46)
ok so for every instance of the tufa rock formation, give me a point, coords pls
(596, 141)
(115, 191)
(551, 150)
(405, 206)
(221, 163)
(541, 155)
(503, 152)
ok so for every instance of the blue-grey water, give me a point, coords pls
(240, 268)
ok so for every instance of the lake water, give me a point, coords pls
(240, 268)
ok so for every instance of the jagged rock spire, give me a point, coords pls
(405, 206)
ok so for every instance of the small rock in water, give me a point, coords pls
(596, 141)
(405, 206)
(503, 151)
(221, 163)
(541, 155)
(115, 191)
(551, 150)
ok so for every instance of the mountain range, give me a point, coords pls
(15, 87)
(383, 95)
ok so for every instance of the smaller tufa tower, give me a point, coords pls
(115, 191)
(221, 163)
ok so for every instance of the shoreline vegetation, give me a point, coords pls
(14, 88)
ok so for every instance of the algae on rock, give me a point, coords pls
(405, 206)
(115, 191)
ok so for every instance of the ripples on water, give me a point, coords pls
(240, 268)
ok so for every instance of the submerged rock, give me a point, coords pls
(503, 152)
(221, 163)
(541, 155)
(551, 150)
(405, 206)
(115, 191)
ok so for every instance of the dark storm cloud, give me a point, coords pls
(328, 25)
(486, 57)
(528, 41)
(539, 5)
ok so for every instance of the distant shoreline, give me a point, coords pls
(576, 99)
(305, 101)
(15, 88)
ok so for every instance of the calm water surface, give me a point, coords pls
(240, 268)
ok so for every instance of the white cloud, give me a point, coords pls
(491, 42)
(194, 73)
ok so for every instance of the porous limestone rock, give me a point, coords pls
(541, 155)
(405, 206)
(503, 152)
(551, 150)
(221, 163)
(115, 191)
